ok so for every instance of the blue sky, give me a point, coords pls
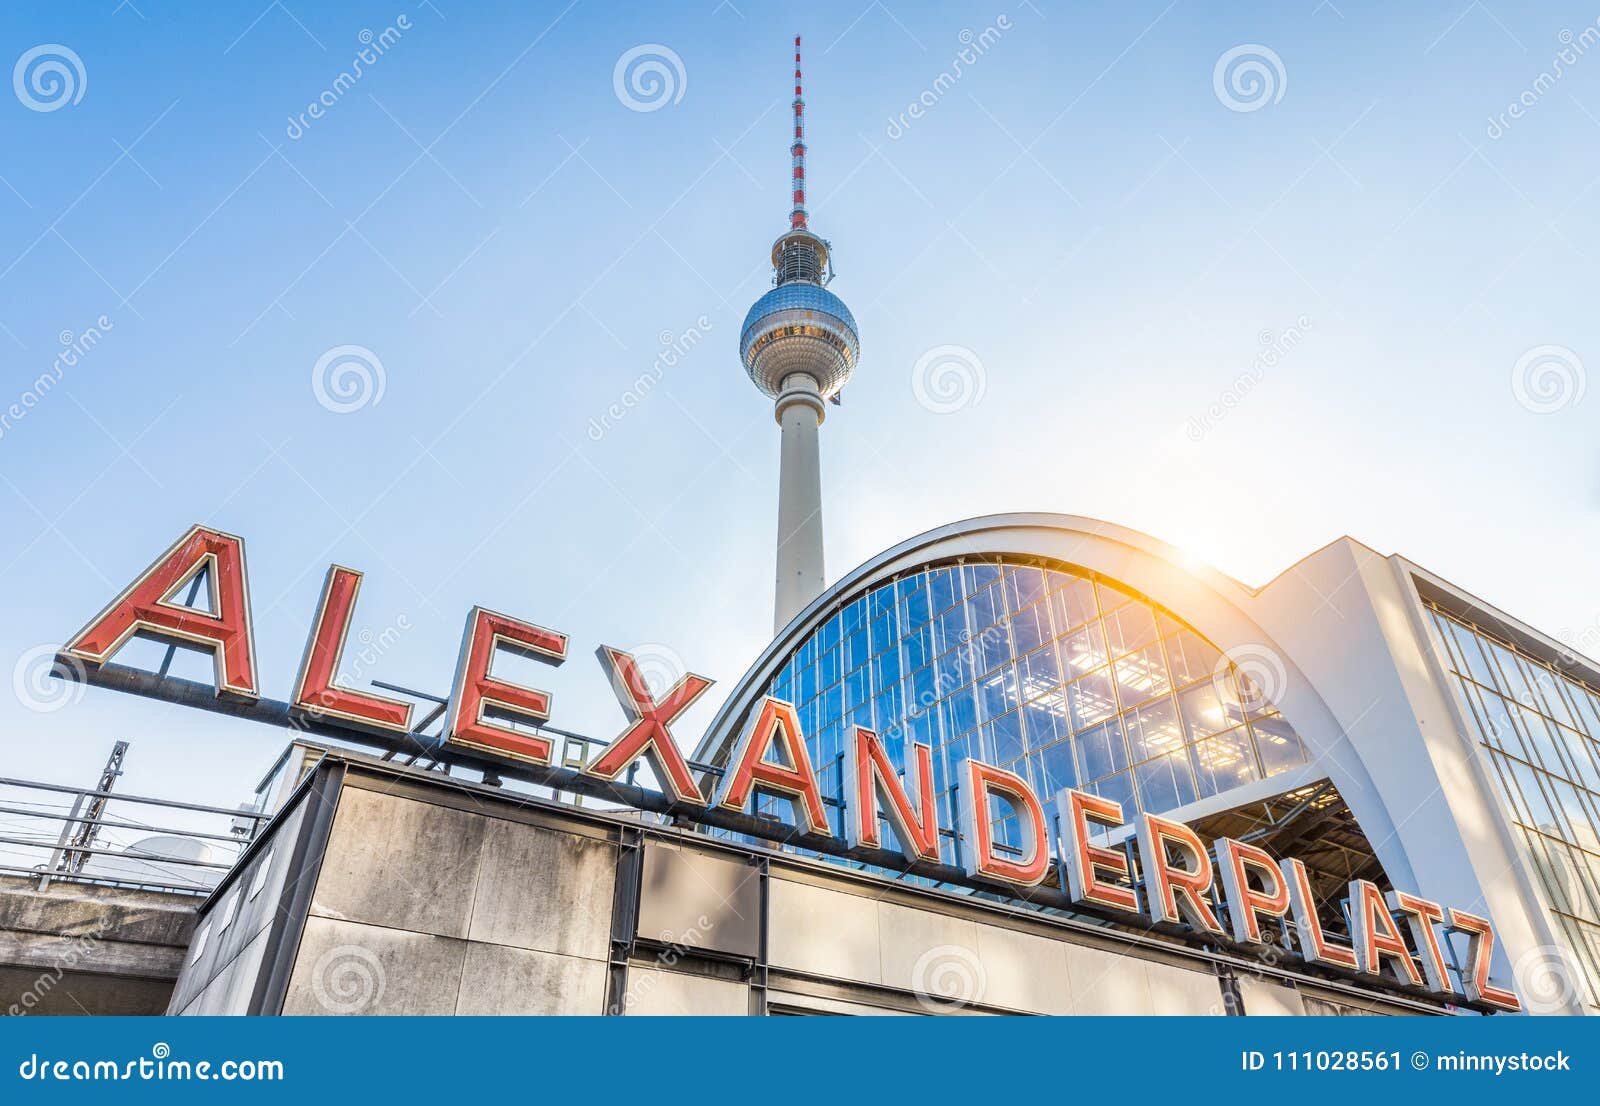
(1082, 210)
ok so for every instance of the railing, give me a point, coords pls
(55, 833)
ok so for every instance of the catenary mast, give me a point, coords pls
(799, 345)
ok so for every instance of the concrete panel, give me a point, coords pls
(700, 900)
(928, 953)
(1175, 990)
(823, 932)
(1023, 971)
(346, 968)
(545, 890)
(1106, 982)
(655, 993)
(1264, 998)
(497, 979)
(400, 863)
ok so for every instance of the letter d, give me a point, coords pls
(294, 130)
(28, 1067)
(1495, 130)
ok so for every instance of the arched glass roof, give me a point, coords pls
(1065, 679)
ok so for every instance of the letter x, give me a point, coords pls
(649, 734)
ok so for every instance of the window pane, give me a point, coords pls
(1090, 699)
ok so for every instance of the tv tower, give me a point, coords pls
(799, 345)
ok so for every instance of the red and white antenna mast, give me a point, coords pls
(797, 217)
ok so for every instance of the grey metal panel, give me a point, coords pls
(653, 992)
(1263, 998)
(1023, 971)
(350, 968)
(246, 970)
(400, 863)
(1107, 982)
(543, 889)
(700, 899)
(500, 980)
(824, 932)
(918, 947)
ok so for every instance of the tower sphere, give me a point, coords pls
(799, 326)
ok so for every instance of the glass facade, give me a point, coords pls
(1540, 731)
(1060, 678)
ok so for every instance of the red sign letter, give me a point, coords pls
(748, 766)
(477, 693)
(869, 777)
(1314, 944)
(1420, 916)
(979, 857)
(147, 607)
(1235, 861)
(1085, 861)
(1375, 936)
(649, 735)
(1480, 951)
(316, 691)
(1176, 894)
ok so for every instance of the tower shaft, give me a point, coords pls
(799, 345)
(800, 579)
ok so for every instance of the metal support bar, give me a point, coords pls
(759, 968)
(625, 897)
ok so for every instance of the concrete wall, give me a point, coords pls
(422, 895)
(77, 948)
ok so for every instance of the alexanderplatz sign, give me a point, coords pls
(1231, 895)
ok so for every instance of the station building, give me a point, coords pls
(1358, 712)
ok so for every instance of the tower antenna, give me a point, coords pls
(797, 217)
